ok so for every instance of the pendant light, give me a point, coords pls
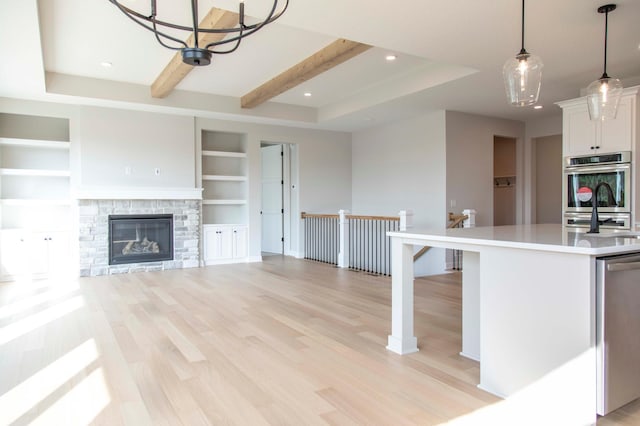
(603, 95)
(523, 75)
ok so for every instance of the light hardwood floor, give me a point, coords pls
(282, 342)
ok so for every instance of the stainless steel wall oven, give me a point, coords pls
(582, 174)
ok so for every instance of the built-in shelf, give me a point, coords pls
(35, 172)
(34, 179)
(36, 143)
(210, 153)
(224, 202)
(224, 177)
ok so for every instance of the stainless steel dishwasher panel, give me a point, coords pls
(617, 331)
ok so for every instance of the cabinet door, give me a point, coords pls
(38, 253)
(58, 253)
(580, 132)
(13, 254)
(217, 243)
(616, 134)
(240, 242)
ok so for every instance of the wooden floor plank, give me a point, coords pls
(282, 342)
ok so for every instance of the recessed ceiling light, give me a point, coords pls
(106, 64)
(537, 107)
(307, 94)
(390, 58)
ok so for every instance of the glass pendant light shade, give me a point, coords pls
(603, 98)
(603, 95)
(522, 75)
(522, 78)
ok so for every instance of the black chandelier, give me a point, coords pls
(200, 55)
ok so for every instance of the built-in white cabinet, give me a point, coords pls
(581, 136)
(35, 204)
(224, 178)
(224, 243)
(34, 254)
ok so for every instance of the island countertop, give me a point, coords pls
(545, 237)
(528, 310)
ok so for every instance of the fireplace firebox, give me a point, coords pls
(140, 238)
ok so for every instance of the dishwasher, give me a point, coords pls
(617, 331)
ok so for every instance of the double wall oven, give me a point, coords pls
(582, 174)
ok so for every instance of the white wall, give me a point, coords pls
(469, 158)
(548, 172)
(402, 166)
(324, 170)
(114, 141)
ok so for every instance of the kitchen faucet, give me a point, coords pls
(595, 222)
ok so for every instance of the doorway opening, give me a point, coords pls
(504, 181)
(279, 207)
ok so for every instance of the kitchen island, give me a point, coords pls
(529, 314)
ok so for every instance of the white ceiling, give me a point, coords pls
(450, 56)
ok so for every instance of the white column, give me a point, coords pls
(471, 305)
(402, 341)
(300, 253)
(343, 254)
(406, 219)
(470, 222)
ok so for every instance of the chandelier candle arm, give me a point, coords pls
(194, 54)
(523, 75)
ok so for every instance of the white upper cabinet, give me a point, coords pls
(581, 136)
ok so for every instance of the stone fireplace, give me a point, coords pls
(98, 255)
(140, 238)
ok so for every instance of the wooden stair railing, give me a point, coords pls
(360, 243)
(454, 221)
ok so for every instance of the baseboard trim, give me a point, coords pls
(249, 259)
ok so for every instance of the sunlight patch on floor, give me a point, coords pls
(26, 395)
(30, 323)
(19, 306)
(545, 401)
(81, 405)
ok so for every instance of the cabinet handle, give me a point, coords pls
(597, 147)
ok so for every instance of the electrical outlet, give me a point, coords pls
(453, 203)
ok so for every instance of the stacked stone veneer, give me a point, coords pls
(94, 234)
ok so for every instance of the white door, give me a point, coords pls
(272, 206)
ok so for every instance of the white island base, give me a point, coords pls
(528, 315)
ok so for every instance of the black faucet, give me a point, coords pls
(595, 222)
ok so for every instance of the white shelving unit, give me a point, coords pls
(35, 204)
(224, 178)
(224, 181)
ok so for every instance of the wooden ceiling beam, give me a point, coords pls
(176, 70)
(323, 60)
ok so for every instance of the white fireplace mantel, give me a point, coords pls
(136, 193)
